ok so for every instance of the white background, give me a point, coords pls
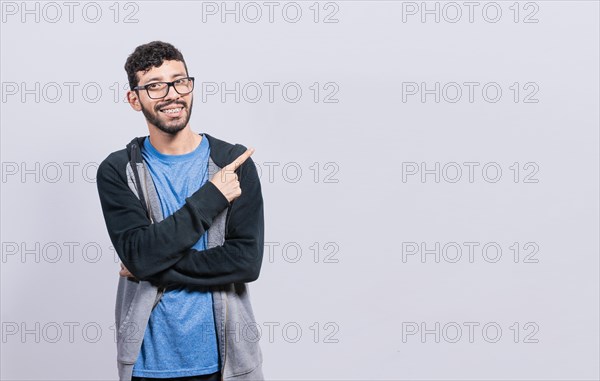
(363, 206)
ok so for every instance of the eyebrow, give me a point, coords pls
(158, 78)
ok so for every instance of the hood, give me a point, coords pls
(221, 152)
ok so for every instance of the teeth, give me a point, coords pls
(172, 110)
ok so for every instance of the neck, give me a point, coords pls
(185, 141)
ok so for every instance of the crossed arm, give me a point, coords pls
(161, 252)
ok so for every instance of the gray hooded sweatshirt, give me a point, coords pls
(158, 252)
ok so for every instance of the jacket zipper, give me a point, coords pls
(161, 290)
(225, 334)
(146, 200)
(225, 321)
(224, 339)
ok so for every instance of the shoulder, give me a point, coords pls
(115, 162)
(223, 152)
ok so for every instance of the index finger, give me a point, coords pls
(240, 159)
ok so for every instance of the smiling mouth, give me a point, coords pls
(171, 111)
(174, 110)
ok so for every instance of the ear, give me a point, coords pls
(134, 100)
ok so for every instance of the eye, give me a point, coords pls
(155, 86)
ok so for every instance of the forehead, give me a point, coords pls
(167, 71)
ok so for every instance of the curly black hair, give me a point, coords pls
(149, 55)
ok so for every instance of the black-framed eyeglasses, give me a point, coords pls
(157, 90)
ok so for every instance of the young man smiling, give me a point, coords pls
(184, 212)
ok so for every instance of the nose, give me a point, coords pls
(171, 93)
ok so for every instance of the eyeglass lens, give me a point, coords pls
(160, 89)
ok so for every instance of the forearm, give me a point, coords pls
(147, 248)
(234, 262)
(239, 259)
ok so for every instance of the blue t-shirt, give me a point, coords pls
(180, 339)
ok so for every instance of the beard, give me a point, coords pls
(171, 127)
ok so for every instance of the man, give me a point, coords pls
(184, 212)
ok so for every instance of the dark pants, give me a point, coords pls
(204, 377)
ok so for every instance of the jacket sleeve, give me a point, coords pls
(239, 259)
(147, 248)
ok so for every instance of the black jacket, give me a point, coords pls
(161, 252)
